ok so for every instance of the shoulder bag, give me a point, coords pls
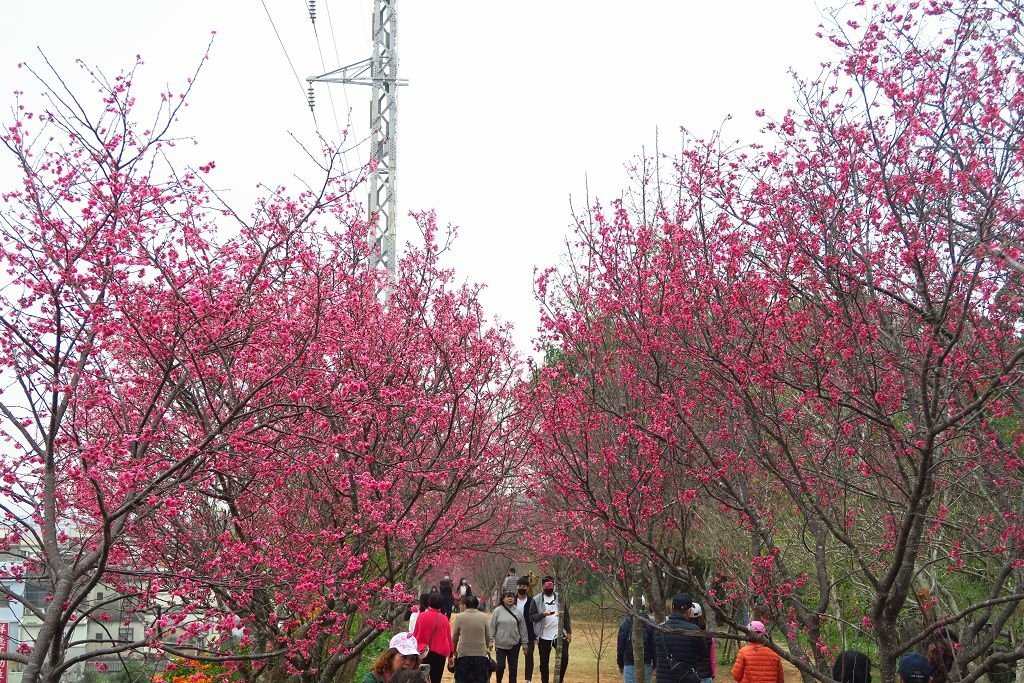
(679, 672)
(512, 612)
(432, 634)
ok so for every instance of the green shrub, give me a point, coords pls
(369, 655)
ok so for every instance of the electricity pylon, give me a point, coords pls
(380, 72)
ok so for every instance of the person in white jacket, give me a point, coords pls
(417, 609)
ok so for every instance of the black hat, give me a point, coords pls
(682, 601)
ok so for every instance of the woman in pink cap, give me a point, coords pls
(756, 662)
(402, 653)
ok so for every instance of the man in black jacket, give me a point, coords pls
(678, 654)
(527, 608)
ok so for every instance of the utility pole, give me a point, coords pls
(380, 72)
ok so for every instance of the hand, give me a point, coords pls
(568, 637)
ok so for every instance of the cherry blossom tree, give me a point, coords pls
(403, 446)
(249, 438)
(817, 342)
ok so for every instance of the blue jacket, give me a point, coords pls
(624, 650)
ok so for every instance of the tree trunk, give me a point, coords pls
(887, 644)
(559, 642)
(49, 637)
(638, 650)
(638, 627)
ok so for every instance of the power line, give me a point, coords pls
(344, 86)
(290, 64)
(323, 64)
(380, 72)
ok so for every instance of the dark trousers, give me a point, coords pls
(437, 664)
(544, 648)
(471, 670)
(528, 650)
(510, 655)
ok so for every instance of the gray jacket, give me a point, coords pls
(508, 629)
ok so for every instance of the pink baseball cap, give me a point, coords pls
(757, 627)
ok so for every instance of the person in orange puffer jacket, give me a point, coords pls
(757, 663)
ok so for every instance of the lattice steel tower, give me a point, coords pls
(380, 72)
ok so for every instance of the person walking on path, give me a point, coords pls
(417, 609)
(508, 631)
(756, 662)
(852, 667)
(402, 653)
(940, 656)
(464, 589)
(527, 608)
(433, 631)
(472, 639)
(705, 667)
(624, 651)
(511, 581)
(444, 586)
(531, 584)
(676, 655)
(914, 668)
(546, 628)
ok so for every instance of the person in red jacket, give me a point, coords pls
(756, 662)
(433, 630)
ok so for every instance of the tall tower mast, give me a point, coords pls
(380, 72)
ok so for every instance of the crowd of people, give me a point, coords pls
(524, 623)
(677, 657)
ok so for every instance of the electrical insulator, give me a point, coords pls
(310, 98)
(312, 10)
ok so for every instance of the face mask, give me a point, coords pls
(522, 591)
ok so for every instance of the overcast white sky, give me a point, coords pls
(511, 104)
